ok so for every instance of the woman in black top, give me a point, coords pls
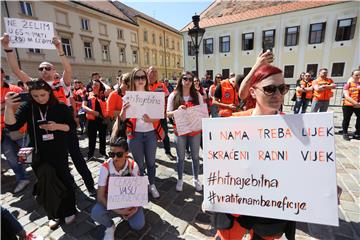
(48, 123)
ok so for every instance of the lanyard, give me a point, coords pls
(43, 116)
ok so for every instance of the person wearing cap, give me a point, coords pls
(61, 88)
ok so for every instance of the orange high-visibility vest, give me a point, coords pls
(131, 126)
(228, 96)
(323, 95)
(92, 100)
(305, 84)
(354, 93)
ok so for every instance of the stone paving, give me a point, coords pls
(177, 215)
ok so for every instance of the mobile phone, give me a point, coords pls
(268, 46)
(23, 97)
(42, 121)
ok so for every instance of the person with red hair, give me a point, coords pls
(266, 90)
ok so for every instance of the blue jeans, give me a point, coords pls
(214, 111)
(301, 104)
(10, 149)
(194, 143)
(100, 214)
(319, 105)
(143, 145)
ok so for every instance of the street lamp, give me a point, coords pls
(196, 33)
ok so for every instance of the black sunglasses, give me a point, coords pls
(116, 154)
(187, 78)
(46, 68)
(143, 77)
(36, 84)
(271, 89)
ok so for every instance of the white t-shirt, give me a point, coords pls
(170, 103)
(67, 90)
(104, 172)
(142, 126)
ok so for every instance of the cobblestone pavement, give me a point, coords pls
(177, 215)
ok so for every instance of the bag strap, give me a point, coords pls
(33, 123)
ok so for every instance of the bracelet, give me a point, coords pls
(63, 54)
(8, 50)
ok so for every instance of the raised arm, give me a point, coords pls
(12, 61)
(262, 59)
(67, 74)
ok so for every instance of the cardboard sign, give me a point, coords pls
(150, 103)
(279, 166)
(189, 119)
(26, 33)
(124, 192)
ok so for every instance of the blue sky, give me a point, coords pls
(172, 12)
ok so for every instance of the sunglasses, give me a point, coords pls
(46, 68)
(271, 89)
(116, 154)
(142, 77)
(187, 79)
(35, 85)
(217, 77)
(196, 81)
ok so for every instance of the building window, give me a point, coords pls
(317, 33)
(120, 34)
(161, 59)
(338, 69)
(135, 56)
(35, 50)
(147, 58)
(26, 8)
(289, 71)
(246, 70)
(122, 55)
(292, 36)
(167, 42)
(178, 46)
(191, 50)
(225, 73)
(154, 38)
(345, 29)
(172, 44)
(105, 52)
(145, 36)
(154, 58)
(133, 37)
(224, 44)
(268, 39)
(66, 46)
(312, 69)
(85, 24)
(160, 41)
(248, 41)
(88, 49)
(208, 45)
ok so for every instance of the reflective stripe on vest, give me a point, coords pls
(92, 101)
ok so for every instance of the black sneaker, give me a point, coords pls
(357, 137)
(170, 156)
(188, 155)
(92, 193)
(346, 137)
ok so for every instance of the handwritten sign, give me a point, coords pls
(150, 103)
(276, 166)
(189, 119)
(126, 192)
(26, 33)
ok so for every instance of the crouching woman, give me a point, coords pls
(119, 164)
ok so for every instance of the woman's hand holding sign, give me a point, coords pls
(125, 106)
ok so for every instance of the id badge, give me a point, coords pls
(48, 137)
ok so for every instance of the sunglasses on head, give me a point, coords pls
(142, 77)
(46, 68)
(36, 84)
(116, 154)
(187, 78)
(271, 89)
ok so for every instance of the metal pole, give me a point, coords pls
(16, 51)
(197, 55)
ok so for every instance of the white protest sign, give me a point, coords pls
(126, 192)
(280, 166)
(189, 119)
(150, 103)
(27, 33)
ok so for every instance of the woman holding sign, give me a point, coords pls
(143, 133)
(185, 95)
(267, 89)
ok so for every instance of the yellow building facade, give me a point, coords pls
(304, 40)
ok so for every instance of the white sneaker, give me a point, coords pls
(154, 191)
(109, 233)
(21, 185)
(198, 185)
(70, 219)
(179, 185)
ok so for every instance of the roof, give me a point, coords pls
(133, 14)
(105, 7)
(225, 12)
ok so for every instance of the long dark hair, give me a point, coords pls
(178, 98)
(41, 84)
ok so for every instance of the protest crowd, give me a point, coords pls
(50, 111)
